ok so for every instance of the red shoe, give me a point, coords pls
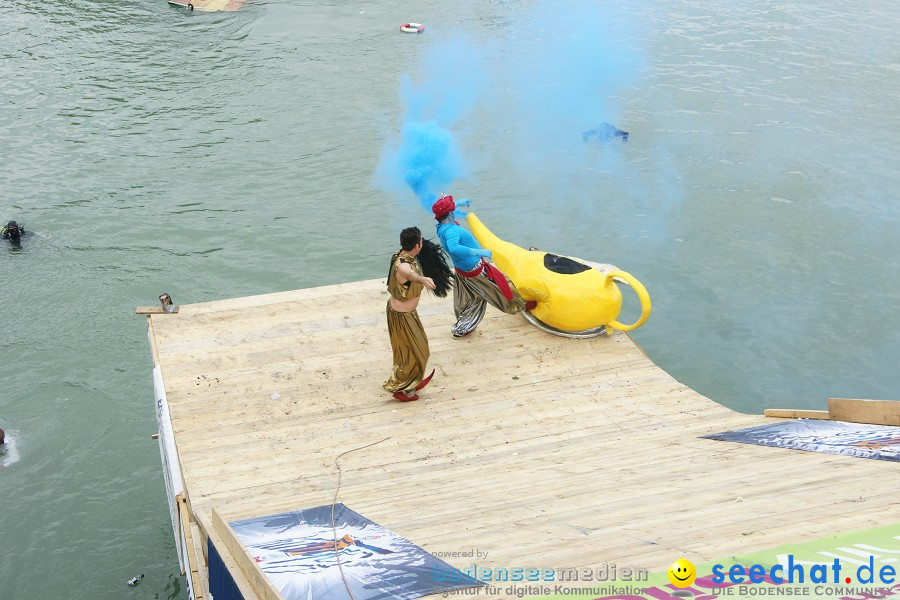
(530, 305)
(425, 381)
(403, 397)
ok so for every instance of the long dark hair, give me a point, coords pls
(434, 264)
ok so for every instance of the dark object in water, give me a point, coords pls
(605, 132)
(12, 232)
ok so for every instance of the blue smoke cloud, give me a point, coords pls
(426, 158)
(566, 64)
(519, 94)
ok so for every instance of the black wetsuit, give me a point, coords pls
(5, 234)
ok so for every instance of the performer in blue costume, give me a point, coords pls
(476, 282)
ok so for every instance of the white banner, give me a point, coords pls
(170, 464)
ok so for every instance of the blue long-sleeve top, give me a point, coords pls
(463, 248)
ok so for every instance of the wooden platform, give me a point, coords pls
(537, 450)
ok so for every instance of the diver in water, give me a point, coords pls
(2, 437)
(605, 132)
(12, 232)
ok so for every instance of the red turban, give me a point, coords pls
(443, 206)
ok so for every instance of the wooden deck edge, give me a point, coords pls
(273, 298)
(261, 585)
(154, 349)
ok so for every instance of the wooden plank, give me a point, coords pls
(199, 540)
(227, 467)
(155, 310)
(874, 412)
(326, 294)
(193, 561)
(792, 413)
(204, 523)
(154, 348)
(522, 503)
(261, 585)
(452, 412)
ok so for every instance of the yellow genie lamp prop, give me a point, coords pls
(574, 298)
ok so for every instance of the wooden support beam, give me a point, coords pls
(791, 413)
(202, 564)
(206, 528)
(154, 310)
(848, 410)
(874, 412)
(261, 585)
(193, 561)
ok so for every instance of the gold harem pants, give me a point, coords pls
(410, 346)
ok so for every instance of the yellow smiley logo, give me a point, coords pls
(682, 573)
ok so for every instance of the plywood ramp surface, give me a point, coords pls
(535, 450)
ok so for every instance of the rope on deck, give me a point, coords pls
(337, 554)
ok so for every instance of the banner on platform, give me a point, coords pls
(320, 554)
(880, 442)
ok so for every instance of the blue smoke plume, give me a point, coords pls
(426, 158)
(518, 94)
(429, 159)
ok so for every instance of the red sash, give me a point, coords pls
(474, 272)
(493, 274)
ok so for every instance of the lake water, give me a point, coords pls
(149, 149)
